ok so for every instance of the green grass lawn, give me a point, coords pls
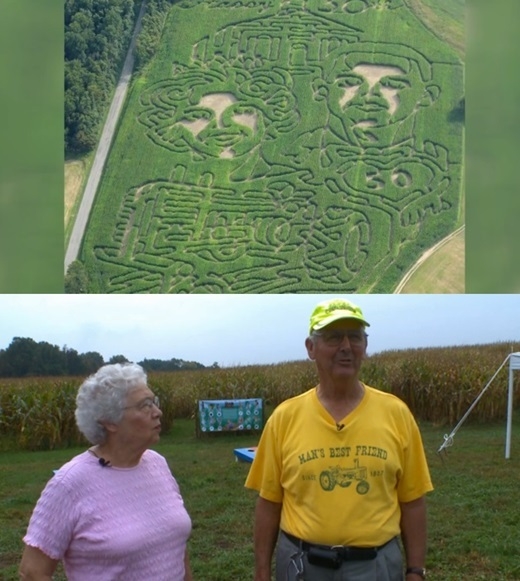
(473, 513)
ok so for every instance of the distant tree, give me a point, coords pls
(156, 365)
(92, 361)
(4, 364)
(49, 360)
(118, 359)
(25, 357)
(191, 365)
(21, 356)
(171, 365)
(74, 362)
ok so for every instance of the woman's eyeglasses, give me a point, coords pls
(146, 404)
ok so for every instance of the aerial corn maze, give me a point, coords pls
(281, 146)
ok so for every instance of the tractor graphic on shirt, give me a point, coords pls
(344, 477)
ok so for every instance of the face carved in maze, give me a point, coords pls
(224, 113)
(374, 96)
(221, 126)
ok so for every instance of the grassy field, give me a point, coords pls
(443, 272)
(473, 512)
(445, 18)
(76, 175)
(239, 167)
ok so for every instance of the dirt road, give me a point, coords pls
(102, 150)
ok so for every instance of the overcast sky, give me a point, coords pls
(245, 329)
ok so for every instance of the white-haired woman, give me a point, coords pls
(114, 511)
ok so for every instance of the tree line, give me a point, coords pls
(97, 35)
(25, 357)
(152, 26)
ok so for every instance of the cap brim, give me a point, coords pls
(337, 316)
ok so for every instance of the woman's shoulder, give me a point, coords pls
(153, 458)
(155, 466)
(71, 474)
(152, 455)
(76, 465)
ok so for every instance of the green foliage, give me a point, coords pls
(25, 357)
(97, 34)
(171, 365)
(440, 384)
(76, 279)
(118, 359)
(152, 25)
(41, 413)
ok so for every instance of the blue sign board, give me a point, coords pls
(224, 415)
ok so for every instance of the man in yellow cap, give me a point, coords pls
(340, 470)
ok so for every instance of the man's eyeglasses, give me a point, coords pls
(145, 405)
(335, 337)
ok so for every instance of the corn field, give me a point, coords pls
(367, 197)
(439, 385)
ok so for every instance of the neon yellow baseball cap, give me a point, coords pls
(332, 310)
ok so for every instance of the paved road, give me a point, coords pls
(424, 257)
(102, 150)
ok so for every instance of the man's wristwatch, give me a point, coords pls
(421, 571)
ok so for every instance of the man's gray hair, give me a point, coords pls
(102, 397)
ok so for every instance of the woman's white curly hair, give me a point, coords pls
(102, 397)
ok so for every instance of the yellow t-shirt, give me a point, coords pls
(341, 486)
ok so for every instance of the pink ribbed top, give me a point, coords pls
(113, 523)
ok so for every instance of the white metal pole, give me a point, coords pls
(509, 411)
(448, 440)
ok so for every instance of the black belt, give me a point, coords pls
(341, 552)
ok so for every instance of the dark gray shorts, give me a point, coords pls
(387, 566)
